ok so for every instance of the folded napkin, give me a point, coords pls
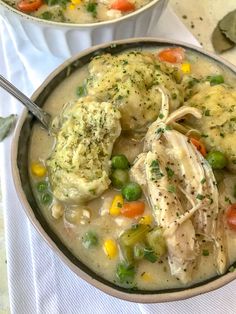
(39, 282)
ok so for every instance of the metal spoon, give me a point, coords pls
(42, 116)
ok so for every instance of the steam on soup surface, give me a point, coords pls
(77, 11)
(138, 179)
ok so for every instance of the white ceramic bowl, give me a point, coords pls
(19, 161)
(66, 39)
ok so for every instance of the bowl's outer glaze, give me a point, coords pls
(19, 161)
(64, 40)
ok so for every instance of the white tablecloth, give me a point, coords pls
(38, 281)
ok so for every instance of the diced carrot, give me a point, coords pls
(199, 145)
(123, 5)
(231, 216)
(29, 5)
(172, 55)
(133, 209)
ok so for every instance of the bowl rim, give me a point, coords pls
(84, 25)
(133, 297)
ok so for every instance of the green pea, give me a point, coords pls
(42, 186)
(46, 198)
(131, 191)
(119, 178)
(125, 273)
(216, 159)
(90, 239)
(120, 162)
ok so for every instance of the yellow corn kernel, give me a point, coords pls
(146, 220)
(116, 205)
(146, 277)
(110, 248)
(186, 68)
(76, 1)
(71, 6)
(38, 169)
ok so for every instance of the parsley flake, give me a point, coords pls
(171, 189)
(170, 172)
(200, 197)
(205, 252)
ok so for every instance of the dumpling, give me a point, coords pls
(129, 81)
(79, 164)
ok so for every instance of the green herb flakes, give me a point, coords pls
(160, 130)
(168, 128)
(150, 255)
(200, 197)
(125, 273)
(155, 170)
(61, 3)
(203, 180)
(171, 189)
(215, 79)
(47, 15)
(205, 252)
(207, 113)
(92, 8)
(170, 172)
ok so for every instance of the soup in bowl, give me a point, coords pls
(77, 11)
(64, 28)
(134, 185)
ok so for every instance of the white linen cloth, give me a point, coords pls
(39, 282)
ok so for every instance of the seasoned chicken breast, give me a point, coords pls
(181, 189)
(79, 164)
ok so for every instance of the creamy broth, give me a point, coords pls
(77, 11)
(148, 275)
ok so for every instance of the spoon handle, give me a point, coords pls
(41, 115)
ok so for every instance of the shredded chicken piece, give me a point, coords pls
(181, 189)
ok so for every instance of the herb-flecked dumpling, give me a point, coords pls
(79, 164)
(129, 81)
